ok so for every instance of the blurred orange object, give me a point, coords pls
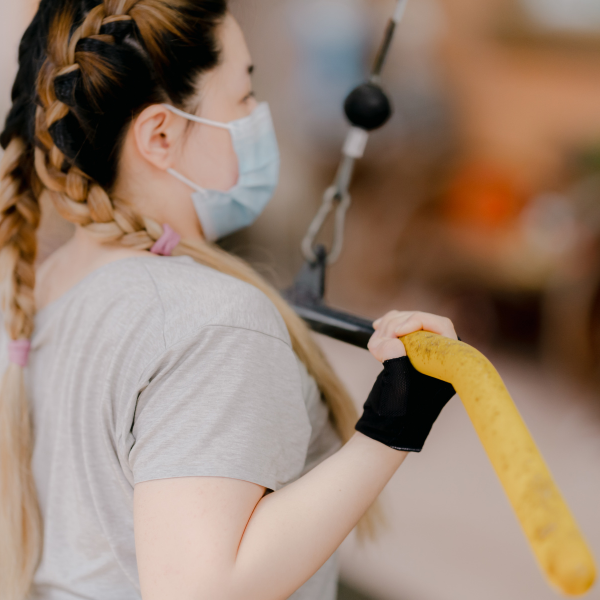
(483, 196)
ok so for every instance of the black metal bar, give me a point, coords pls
(307, 293)
(336, 324)
(306, 298)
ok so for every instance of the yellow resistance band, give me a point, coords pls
(544, 515)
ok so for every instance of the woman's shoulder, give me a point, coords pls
(193, 296)
(168, 299)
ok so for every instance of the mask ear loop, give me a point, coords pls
(190, 117)
(196, 119)
(185, 180)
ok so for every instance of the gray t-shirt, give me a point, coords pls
(154, 368)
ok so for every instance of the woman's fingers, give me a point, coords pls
(428, 322)
(389, 315)
(385, 348)
(384, 343)
(377, 323)
(388, 349)
(399, 323)
(383, 321)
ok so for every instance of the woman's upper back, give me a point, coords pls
(155, 368)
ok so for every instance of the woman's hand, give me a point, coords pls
(403, 404)
(384, 343)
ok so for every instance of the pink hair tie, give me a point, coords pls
(166, 243)
(18, 352)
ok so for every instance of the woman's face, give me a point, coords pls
(160, 140)
(225, 94)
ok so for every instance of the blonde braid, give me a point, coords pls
(76, 196)
(19, 220)
(20, 522)
(81, 201)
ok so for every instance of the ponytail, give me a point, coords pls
(20, 522)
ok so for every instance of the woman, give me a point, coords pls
(170, 388)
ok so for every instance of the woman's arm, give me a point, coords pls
(216, 538)
(223, 539)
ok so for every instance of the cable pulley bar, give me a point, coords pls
(367, 108)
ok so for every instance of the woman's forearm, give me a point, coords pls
(293, 531)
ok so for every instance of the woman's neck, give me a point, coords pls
(71, 263)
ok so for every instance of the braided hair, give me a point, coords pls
(87, 68)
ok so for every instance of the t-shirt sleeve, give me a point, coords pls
(226, 402)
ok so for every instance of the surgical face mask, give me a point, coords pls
(255, 144)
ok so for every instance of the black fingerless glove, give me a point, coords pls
(403, 406)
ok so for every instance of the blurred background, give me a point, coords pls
(480, 200)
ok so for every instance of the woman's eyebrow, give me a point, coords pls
(250, 69)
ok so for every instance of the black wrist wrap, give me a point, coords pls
(403, 406)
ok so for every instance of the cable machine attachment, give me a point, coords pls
(367, 108)
(306, 298)
(551, 530)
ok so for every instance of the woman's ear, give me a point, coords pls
(157, 134)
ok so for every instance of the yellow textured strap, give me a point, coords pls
(545, 517)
